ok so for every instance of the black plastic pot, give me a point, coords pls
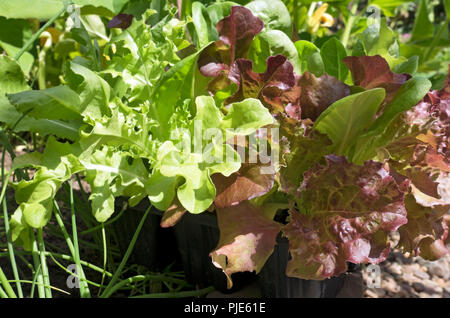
(195, 236)
(198, 235)
(155, 247)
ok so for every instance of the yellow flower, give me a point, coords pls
(320, 19)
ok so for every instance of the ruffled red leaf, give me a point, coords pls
(269, 86)
(248, 183)
(346, 214)
(247, 239)
(236, 33)
(426, 230)
(421, 150)
(238, 30)
(373, 71)
(302, 148)
(318, 93)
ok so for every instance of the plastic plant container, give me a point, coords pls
(198, 235)
(192, 239)
(155, 247)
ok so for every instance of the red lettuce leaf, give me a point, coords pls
(269, 86)
(246, 184)
(121, 21)
(302, 148)
(238, 30)
(346, 214)
(280, 90)
(420, 150)
(426, 230)
(373, 71)
(173, 214)
(236, 33)
(247, 239)
(317, 93)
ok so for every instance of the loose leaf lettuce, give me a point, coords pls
(346, 119)
(247, 239)
(345, 214)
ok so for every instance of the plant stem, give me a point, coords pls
(37, 266)
(436, 39)
(45, 275)
(126, 256)
(84, 288)
(38, 33)
(41, 69)
(349, 24)
(69, 243)
(68, 258)
(105, 259)
(138, 278)
(3, 294)
(10, 246)
(4, 281)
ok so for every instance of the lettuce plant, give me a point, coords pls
(363, 150)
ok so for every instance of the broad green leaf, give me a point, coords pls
(12, 79)
(175, 86)
(25, 61)
(15, 31)
(247, 116)
(409, 67)
(447, 9)
(332, 53)
(347, 118)
(406, 97)
(114, 6)
(35, 197)
(46, 9)
(207, 112)
(270, 43)
(274, 14)
(379, 39)
(30, 9)
(310, 58)
(58, 102)
(94, 91)
(388, 6)
(37, 214)
(423, 27)
(200, 24)
(63, 129)
(20, 232)
(31, 159)
(94, 26)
